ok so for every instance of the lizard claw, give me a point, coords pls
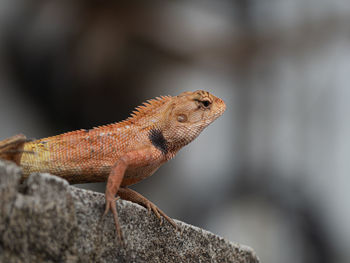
(149, 209)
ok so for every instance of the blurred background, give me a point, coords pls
(271, 173)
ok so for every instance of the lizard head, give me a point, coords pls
(188, 114)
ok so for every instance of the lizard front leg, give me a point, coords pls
(136, 158)
(114, 180)
(135, 197)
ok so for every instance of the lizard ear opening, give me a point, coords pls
(181, 118)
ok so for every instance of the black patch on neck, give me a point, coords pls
(157, 139)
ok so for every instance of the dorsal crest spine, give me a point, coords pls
(147, 108)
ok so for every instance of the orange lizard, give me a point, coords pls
(122, 153)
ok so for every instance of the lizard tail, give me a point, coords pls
(11, 149)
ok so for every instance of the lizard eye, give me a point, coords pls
(205, 103)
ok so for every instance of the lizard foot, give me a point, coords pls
(135, 197)
(111, 205)
(159, 213)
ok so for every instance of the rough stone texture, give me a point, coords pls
(46, 220)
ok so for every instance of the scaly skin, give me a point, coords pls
(122, 153)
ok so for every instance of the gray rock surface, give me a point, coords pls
(47, 220)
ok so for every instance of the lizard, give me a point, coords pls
(121, 153)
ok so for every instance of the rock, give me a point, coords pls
(47, 220)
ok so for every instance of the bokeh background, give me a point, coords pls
(272, 172)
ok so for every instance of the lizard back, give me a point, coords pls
(87, 155)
